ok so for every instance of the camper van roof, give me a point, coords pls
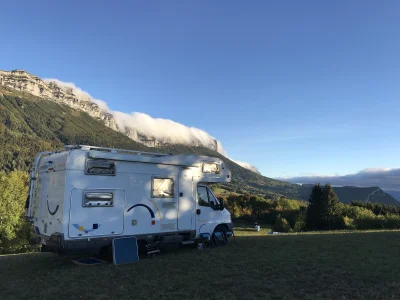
(112, 150)
(145, 157)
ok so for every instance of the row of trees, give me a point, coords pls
(325, 212)
(322, 212)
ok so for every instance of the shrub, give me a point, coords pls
(300, 224)
(281, 225)
(348, 223)
(368, 222)
(14, 229)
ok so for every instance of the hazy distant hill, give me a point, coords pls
(394, 194)
(348, 194)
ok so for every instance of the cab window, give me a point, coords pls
(206, 198)
(202, 196)
(212, 200)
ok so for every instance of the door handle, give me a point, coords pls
(198, 211)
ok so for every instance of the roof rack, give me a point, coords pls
(113, 150)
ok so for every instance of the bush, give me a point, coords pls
(300, 224)
(281, 225)
(378, 222)
(14, 229)
(348, 223)
(375, 222)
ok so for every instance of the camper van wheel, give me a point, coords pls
(222, 229)
(105, 253)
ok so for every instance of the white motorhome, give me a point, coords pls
(83, 197)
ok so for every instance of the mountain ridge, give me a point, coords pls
(347, 194)
(395, 194)
(69, 94)
(26, 119)
(48, 123)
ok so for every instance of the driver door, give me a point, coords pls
(207, 207)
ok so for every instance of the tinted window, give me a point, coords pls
(100, 167)
(202, 196)
(93, 199)
(213, 201)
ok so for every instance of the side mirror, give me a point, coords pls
(221, 205)
(212, 205)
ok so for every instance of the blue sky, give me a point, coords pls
(295, 87)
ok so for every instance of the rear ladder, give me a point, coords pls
(31, 201)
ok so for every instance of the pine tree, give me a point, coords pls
(314, 208)
(323, 210)
(330, 208)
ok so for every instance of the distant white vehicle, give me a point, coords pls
(81, 198)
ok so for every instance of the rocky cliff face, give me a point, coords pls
(67, 94)
(21, 80)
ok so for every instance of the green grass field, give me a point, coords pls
(295, 266)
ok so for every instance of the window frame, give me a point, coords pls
(152, 187)
(102, 160)
(85, 192)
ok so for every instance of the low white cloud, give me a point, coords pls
(247, 166)
(385, 178)
(70, 87)
(161, 129)
(168, 130)
(375, 170)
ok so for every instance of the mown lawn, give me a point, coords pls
(303, 266)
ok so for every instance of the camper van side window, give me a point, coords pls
(100, 167)
(96, 199)
(163, 188)
(211, 167)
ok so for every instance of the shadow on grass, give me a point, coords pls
(362, 265)
(244, 229)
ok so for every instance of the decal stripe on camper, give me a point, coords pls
(55, 211)
(153, 222)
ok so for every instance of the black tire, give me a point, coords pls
(223, 230)
(105, 253)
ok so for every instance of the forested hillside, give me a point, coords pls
(29, 124)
